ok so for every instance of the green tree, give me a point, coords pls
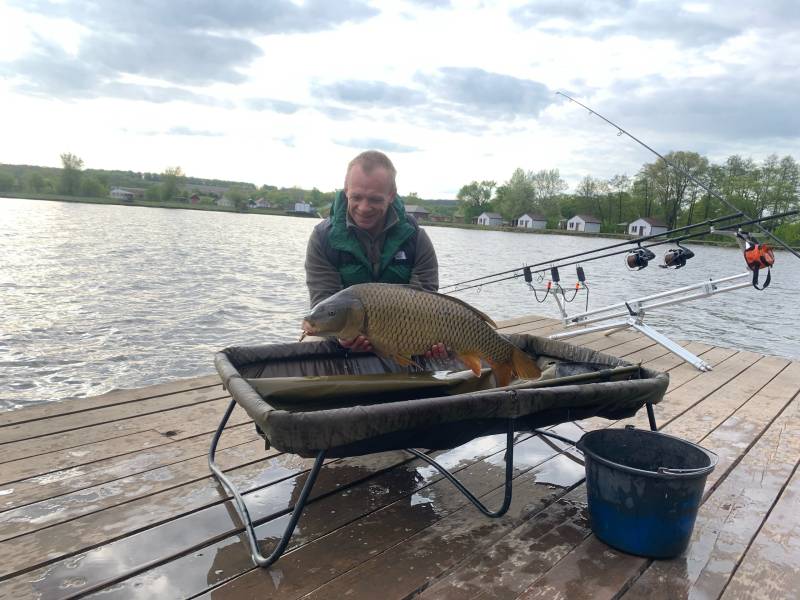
(516, 196)
(548, 188)
(673, 189)
(70, 183)
(239, 198)
(34, 182)
(7, 182)
(475, 197)
(170, 179)
(91, 187)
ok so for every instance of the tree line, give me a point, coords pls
(656, 191)
(756, 188)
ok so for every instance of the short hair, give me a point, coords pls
(371, 160)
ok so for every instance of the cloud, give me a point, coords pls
(732, 107)
(376, 94)
(183, 130)
(280, 106)
(431, 3)
(376, 144)
(487, 94)
(690, 24)
(187, 42)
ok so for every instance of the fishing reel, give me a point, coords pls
(638, 258)
(757, 256)
(675, 258)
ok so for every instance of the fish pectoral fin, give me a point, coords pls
(473, 361)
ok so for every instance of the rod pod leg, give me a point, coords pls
(469, 495)
(259, 559)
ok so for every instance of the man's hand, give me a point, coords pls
(437, 351)
(357, 344)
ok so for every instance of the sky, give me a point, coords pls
(285, 93)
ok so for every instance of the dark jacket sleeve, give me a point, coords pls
(425, 273)
(322, 278)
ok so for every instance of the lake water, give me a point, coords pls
(98, 297)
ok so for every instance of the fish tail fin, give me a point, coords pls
(524, 366)
(503, 372)
(473, 361)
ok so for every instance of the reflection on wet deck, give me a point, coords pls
(111, 497)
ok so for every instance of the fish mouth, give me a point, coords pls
(308, 328)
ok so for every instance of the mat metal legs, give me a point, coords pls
(469, 495)
(244, 514)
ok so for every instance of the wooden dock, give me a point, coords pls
(111, 497)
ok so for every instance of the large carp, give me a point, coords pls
(401, 321)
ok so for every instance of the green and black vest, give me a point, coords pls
(345, 252)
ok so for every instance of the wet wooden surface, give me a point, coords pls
(111, 497)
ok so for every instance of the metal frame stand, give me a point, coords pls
(469, 495)
(635, 311)
(241, 507)
(244, 514)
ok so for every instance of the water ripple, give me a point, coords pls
(96, 297)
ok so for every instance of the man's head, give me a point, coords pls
(370, 189)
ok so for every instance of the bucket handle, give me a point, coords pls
(668, 471)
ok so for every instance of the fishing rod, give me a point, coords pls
(682, 171)
(706, 223)
(557, 263)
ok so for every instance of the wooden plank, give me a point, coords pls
(734, 511)
(32, 517)
(43, 464)
(84, 476)
(597, 571)
(383, 564)
(771, 567)
(176, 424)
(523, 320)
(508, 573)
(398, 569)
(388, 475)
(108, 414)
(76, 405)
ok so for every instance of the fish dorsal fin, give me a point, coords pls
(481, 314)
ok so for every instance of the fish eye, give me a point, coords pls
(331, 313)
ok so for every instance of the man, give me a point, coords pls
(369, 238)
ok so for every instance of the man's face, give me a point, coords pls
(369, 197)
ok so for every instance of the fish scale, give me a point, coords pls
(402, 321)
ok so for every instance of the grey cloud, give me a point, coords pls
(578, 11)
(281, 106)
(733, 107)
(377, 144)
(156, 94)
(369, 94)
(649, 20)
(193, 42)
(489, 94)
(432, 3)
(335, 113)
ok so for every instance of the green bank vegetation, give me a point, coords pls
(655, 191)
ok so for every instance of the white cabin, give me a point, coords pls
(645, 226)
(586, 223)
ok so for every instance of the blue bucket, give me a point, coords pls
(644, 489)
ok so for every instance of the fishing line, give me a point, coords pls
(515, 273)
(706, 223)
(683, 172)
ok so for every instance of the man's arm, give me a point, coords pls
(322, 278)
(425, 273)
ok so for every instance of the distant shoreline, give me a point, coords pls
(283, 213)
